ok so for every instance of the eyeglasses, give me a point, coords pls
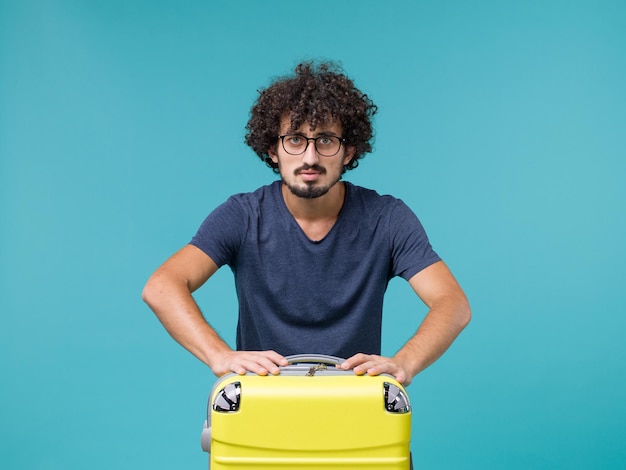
(325, 145)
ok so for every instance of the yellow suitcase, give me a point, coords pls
(312, 415)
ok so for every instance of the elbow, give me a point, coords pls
(160, 289)
(145, 294)
(465, 313)
(150, 292)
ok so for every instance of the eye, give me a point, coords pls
(325, 140)
(295, 139)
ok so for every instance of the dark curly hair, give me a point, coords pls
(319, 94)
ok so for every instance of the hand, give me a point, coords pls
(372, 364)
(240, 362)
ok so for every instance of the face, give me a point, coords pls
(310, 175)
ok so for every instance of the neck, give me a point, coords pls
(324, 207)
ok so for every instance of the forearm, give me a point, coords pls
(443, 323)
(171, 300)
(168, 293)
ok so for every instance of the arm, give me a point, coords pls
(168, 293)
(449, 313)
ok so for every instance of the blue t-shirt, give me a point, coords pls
(301, 296)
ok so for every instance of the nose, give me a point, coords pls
(310, 156)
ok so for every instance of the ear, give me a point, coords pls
(272, 153)
(347, 158)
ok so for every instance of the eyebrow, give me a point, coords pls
(315, 134)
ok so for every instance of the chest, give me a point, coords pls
(316, 230)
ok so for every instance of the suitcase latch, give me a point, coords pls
(315, 368)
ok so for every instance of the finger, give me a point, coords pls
(270, 361)
(276, 360)
(386, 367)
(262, 362)
(369, 363)
(354, 361)
(269, 365)
(392, 369)
(240, 363)
(377, 366)
(369, 368)
(238, 369)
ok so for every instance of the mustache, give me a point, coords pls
(314, 167)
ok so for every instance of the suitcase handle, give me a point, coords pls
(315, 358)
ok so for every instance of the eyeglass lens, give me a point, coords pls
(326, 145)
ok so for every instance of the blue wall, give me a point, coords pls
(502, 124)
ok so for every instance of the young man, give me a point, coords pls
(311, 255)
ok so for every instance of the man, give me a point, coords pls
(311, 255)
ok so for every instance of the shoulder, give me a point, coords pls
(371, 201)
(239, 210)
(385, 210)
(259, 194)
(225, 229)
(265, 195)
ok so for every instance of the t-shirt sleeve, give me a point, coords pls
(222, 232)
(411, 249)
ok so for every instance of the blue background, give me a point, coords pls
(502, 124)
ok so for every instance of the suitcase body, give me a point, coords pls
(312, 415)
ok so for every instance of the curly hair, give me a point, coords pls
(318, 94)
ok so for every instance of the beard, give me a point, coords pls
(309, 190)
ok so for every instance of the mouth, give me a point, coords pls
(309, 173)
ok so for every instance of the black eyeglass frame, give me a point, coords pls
(342, 141)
